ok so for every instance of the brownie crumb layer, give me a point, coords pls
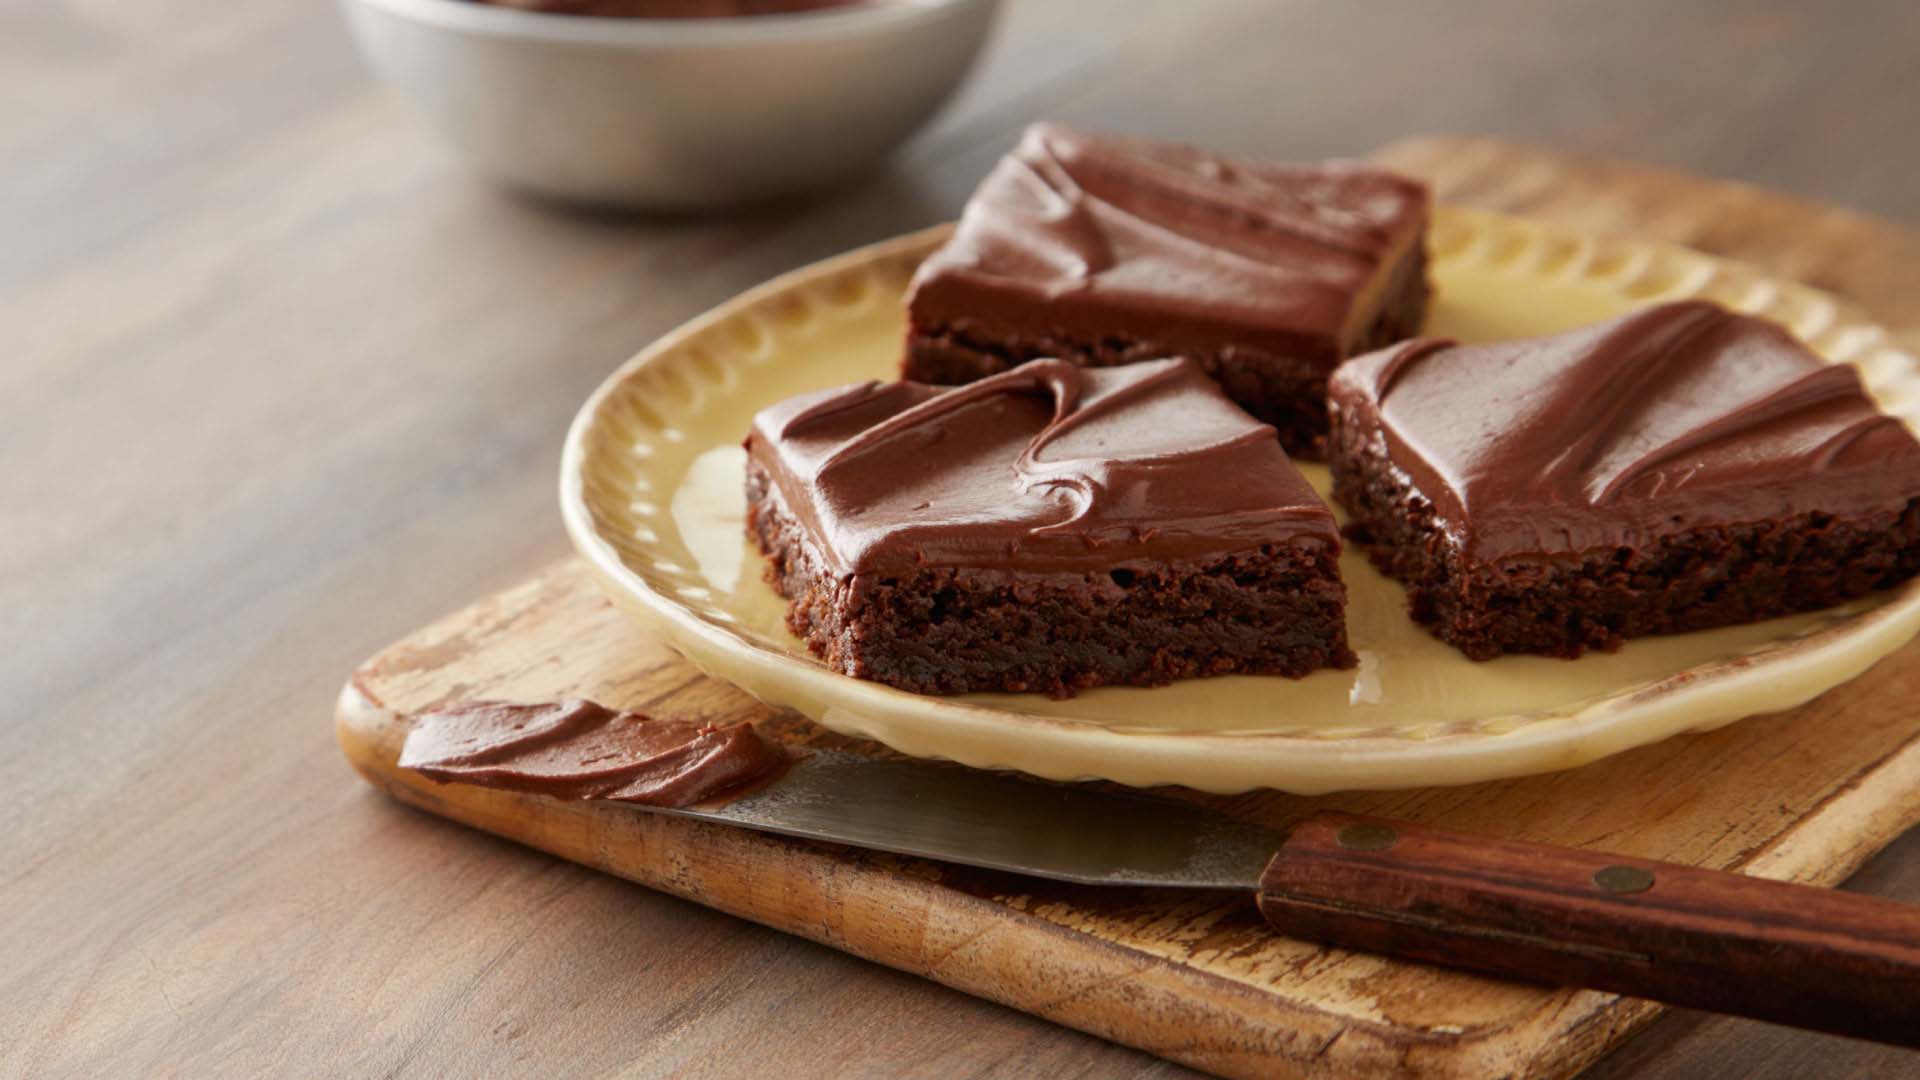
(1286, 390)
(1103, 250)
(1680, 468)
(1275, 610)
(1047, 528)
(1693, 579)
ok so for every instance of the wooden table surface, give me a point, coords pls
(281, 382)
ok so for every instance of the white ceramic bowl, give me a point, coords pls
(671, 114)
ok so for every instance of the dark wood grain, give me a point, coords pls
(1815, 958)
(282, 382)
(1683, 1045)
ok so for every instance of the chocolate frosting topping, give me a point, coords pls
(581, 750)
(1082, 228)
(1681, 413)
(1047, 467)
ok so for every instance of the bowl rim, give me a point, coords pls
(468, 16)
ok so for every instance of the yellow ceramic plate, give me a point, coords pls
(651, 491)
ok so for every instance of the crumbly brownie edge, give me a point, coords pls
(1696, 579)
(1277, 610)
(1277, 390)
(1288, 391)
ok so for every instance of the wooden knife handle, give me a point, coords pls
(1706, 939)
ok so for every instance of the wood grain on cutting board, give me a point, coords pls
(1805, 795)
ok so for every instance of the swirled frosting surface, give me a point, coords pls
(1681, 415)
(1046, 467)
(583, 750)
(1096, 234)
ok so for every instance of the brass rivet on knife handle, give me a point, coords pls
(1366, 836)
(1621, 880)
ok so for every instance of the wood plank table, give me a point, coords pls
(285, 383)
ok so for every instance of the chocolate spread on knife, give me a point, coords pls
(582, 750)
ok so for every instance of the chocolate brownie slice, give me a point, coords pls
(1679, 468)
(1105, 251)
(1050, 528)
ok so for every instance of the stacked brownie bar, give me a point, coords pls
(1679, 468)
(1102, 250)
(1049, 528)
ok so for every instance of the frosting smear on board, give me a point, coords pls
(582, 750)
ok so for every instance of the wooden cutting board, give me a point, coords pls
(1199, 979)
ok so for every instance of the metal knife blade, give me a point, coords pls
(1002, 822)
(1708, 939)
